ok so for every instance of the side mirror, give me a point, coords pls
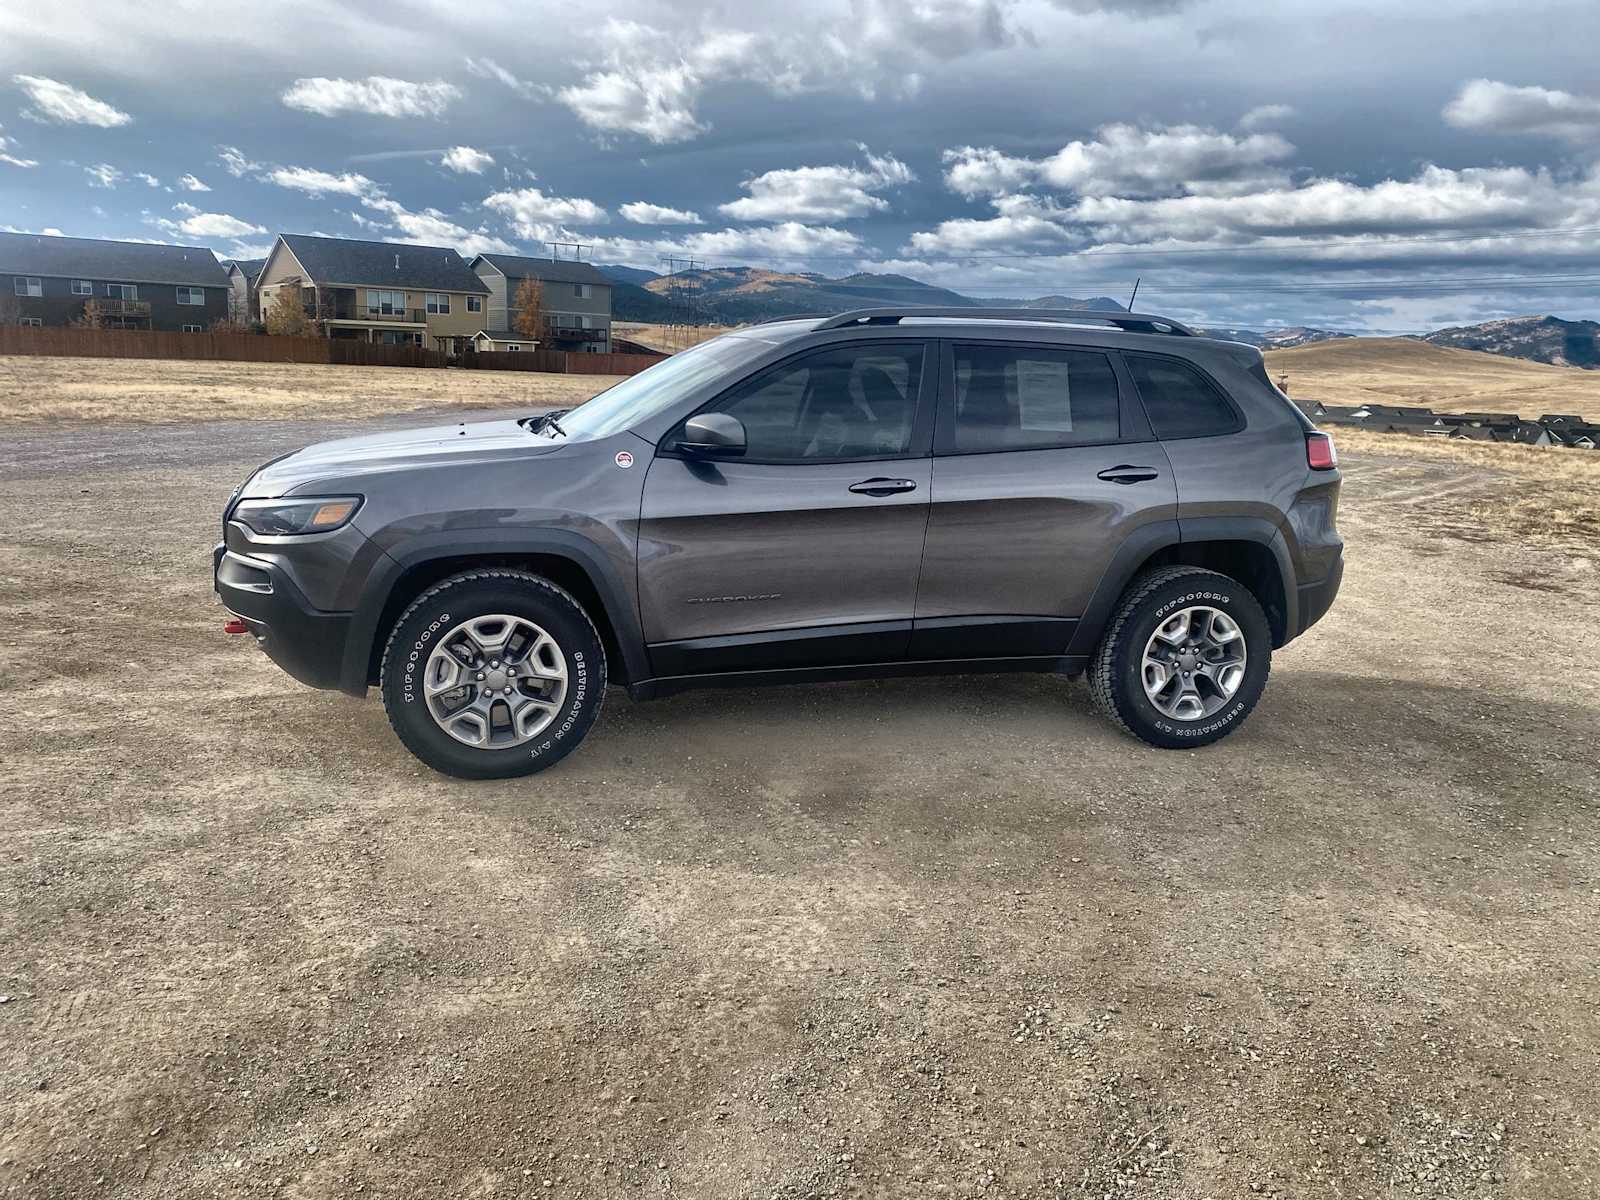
(712, 433)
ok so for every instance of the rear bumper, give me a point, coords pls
(1315, 599)
(306, 642)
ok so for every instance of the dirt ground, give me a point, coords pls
(920, 937)
(43, 389)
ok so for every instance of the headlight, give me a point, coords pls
(316, 515)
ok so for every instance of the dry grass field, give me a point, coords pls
(670, 338)
(34, 389)
(1404, 371)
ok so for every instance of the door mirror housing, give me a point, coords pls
(712, 433)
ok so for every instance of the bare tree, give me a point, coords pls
(94, 316)
(10, 310)
(529, 302)
(286, 315)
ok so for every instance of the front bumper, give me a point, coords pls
(305, 641)
(1315, 599)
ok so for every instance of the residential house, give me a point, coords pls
(242, 276)
(489, 341)
(575, 306)
(397, 295)
(134, 285)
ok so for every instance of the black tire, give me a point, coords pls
(1116, 674)
(442, 607)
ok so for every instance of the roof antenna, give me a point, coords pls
(1135, 295)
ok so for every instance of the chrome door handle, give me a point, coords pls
(1127, 474)
(883, 487)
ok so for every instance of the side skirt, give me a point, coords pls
(1060, 664)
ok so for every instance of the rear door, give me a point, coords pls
(1044, 466)
(804, 551)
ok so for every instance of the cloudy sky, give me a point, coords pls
(1370, 165)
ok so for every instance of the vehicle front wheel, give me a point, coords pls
(493, 673)
(1184, 658)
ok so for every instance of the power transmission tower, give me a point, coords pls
(685, 300)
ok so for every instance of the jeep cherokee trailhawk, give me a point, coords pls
(884, 492)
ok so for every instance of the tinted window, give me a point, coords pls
(848, 402)
(1179, 401)
(1017, 397)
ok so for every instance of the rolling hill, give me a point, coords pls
(1415, 372)
(1541, 339)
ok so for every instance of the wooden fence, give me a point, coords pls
(209, 347)
(561, 362)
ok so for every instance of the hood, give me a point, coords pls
(402, 450)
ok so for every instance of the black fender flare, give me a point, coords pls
(620, 609)
(1157, 536)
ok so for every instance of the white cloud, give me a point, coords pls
(532, 213)
(430, 227)
(487, 68)
(1266, 114)
(464, 160)
(62, 104)
(190, 184)
(376, 95)
(102, 175)
(641, 212)
(205, 225)
(318, 183)
(236, 163)
(8, 144)
(245, 250)
(788, 244)
(150, 180)
(1125, 160)
(832, 193)
(1502, 108)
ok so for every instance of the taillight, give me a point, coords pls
(1320, 454)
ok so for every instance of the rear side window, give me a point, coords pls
(1025, 398)
(1180, 402)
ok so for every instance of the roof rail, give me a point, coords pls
(1131, 321)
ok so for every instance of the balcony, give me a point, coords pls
(569, 333)
(123, 308)
(397, 316)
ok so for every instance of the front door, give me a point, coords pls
(805, 550)
(1044, 467)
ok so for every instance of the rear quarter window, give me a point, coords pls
(1181, 402)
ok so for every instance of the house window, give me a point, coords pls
(437, 303)
(30, 322)
(513, 346)
(583, 291)
(122, 291)
(192, 329)
(385, 304)
(474, 303)
(25, 286)
(191, 295)
(82, 287)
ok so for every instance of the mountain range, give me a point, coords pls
(740, 295)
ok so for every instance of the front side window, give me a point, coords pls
(191, 295)
(1180, 402)
(122, 291)
(191, 329)
(31, 322)
(25, 286)
(583, 290)
(1024, 398)
(846, 402)
(513, 346)
(385, 304)
(474, 303)
(438, 303)
(82, 287)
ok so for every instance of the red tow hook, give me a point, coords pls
(236, 626)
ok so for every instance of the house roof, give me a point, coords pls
(250, 268)
(504, 335)
(94, 258)
(382, 264)
(515, 266)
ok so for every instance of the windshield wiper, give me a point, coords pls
(547, 421)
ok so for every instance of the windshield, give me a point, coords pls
(643, 395)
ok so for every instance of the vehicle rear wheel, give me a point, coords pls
(493, 673)
(1184, 658)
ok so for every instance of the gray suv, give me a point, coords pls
(884, 492)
